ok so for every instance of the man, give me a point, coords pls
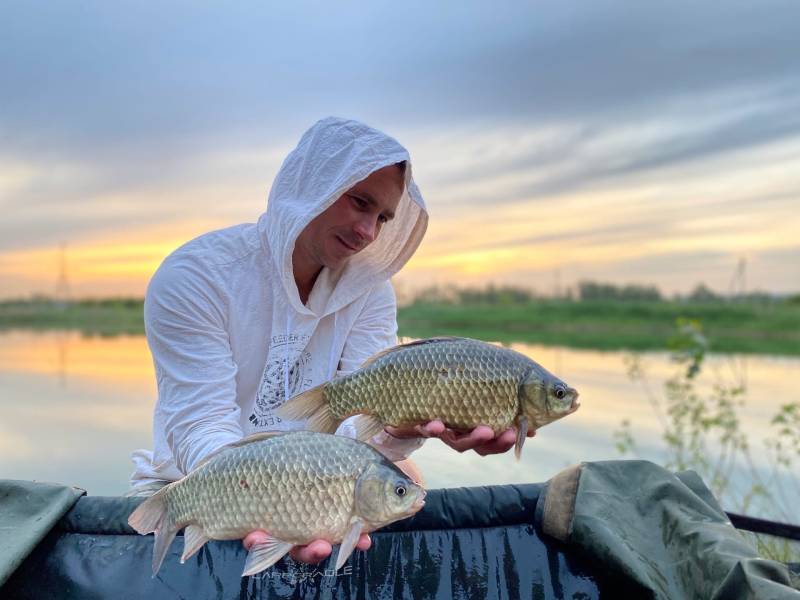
(241, 319)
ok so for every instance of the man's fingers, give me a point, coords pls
(502, 443)
(463, 442)
(507, 438)
(432, 429)
(482, 437)
(364, 542)
(253, 538)
(313, 553)
(410, 468)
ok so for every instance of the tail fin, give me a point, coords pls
(313, 406)
(152, 515)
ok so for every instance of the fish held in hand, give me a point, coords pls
(459, 381)
(298, 487)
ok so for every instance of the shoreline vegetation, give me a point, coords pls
(601, 317)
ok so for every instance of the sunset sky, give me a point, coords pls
(653, 143)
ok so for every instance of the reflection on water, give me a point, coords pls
(72, 408)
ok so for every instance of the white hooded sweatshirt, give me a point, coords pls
(231, 339)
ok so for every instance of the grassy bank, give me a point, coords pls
(601, 324)
(94, 317)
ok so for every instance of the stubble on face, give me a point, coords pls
(349, 225)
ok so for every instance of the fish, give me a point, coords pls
(298, 487)
(460, 381)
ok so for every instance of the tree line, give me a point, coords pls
(586, 291)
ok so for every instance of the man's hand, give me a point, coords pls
(312, 553)
(481, 439)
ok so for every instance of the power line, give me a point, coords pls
(62, 295)
(738, 285)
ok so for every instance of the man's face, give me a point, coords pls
(351, 223)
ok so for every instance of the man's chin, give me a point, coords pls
(335, 263)
(342, 252)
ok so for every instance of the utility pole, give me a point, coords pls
(62, 284)
(557, 281)
(738, 285)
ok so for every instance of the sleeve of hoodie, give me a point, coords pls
(185, 323)
(375, 330)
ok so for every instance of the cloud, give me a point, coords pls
(137, 115)
(562, 161)
(115, 77)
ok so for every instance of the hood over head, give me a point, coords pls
(331, 157)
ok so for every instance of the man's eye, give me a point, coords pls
(359, 202)
(382, 219)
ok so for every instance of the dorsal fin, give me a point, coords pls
(264, 435)
(433, 340)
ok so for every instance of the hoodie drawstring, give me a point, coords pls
(288, 356)
(333, 362)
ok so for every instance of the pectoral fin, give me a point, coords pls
(264, 555)
(522, 433)
(349, 541)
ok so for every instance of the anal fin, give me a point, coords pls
(367, 427)
(193, 539)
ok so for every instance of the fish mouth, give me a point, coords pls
(419, 502)
(575, 404)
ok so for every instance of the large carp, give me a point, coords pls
(460, 381)
(298, 487)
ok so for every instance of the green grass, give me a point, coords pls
(754, 328)
(600, 324)
(94, 317)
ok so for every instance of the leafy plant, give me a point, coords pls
(701, 430)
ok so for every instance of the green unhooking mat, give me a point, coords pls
(28, 511)
(621, 529)
(661, 535)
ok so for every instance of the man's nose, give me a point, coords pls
(367, 228)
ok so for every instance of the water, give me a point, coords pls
(72, 408)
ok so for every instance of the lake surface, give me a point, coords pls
(72, 408)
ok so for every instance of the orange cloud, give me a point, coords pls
(114, 264)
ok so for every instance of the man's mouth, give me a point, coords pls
(350, 247)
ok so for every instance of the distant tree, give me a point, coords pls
(494, 295)
(592, 290)
(437, 295)
(758, 298)
(640, 292)
(702, 293)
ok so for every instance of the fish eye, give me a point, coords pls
(560, 392)
(400, 490)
